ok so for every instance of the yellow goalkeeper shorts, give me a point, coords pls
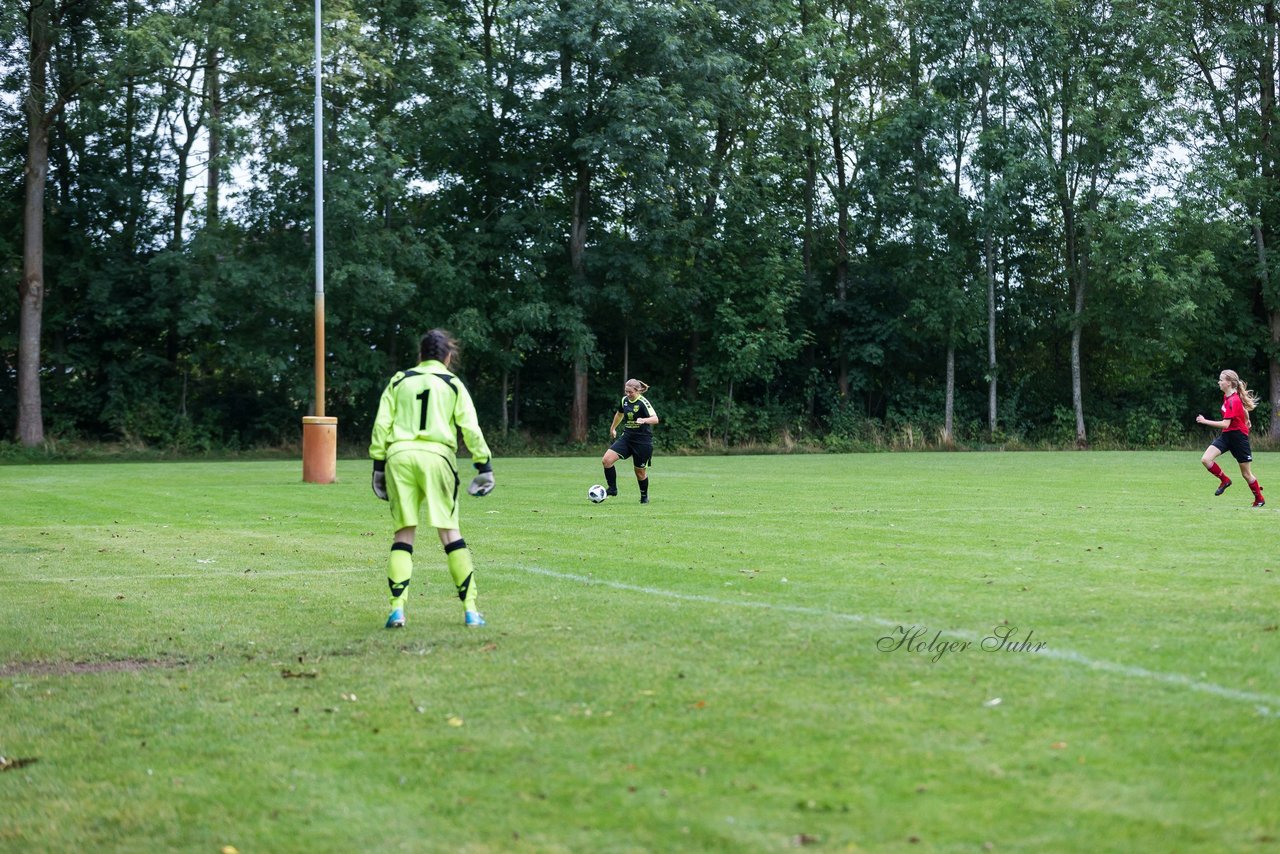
(422, 481)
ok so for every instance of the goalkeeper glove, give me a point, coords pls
(380, 479)
(482, 483)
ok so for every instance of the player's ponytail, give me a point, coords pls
(438, 345)
(1248, 399)
(640, 384)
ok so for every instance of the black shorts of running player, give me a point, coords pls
(625, 446)
(1237, 443)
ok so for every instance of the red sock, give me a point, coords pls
(1216, 471)
(1257, 490)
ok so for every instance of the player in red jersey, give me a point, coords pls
(1237, 403)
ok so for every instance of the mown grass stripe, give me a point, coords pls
(1266, 704)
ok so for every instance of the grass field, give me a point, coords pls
(772, 654)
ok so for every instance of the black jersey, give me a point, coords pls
(633, 409)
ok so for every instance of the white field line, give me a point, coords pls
(1266, 705)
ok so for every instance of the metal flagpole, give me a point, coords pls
(318, 125)
(319, 433)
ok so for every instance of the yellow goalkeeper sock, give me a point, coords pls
(399, 571)
(460, 567)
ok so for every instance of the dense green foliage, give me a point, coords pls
(785, 216)
(193, 653)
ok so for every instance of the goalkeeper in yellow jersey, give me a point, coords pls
(414, 451)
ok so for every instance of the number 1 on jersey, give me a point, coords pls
(422, 418)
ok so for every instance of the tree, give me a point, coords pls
(1229, 64)
(991, 165)
(41, 18)
(1084, 69)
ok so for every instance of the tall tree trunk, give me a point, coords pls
(1073, 261)
(810, 160)
(190, 132)
(1077, 396)
(728, 408)
(515, 401)
(213, 80)
(992, 378)
(577, 263)
(948, 436)
(579, 192)
(1273, 326)
(578, 414)
(842, 238)
(133, 191)
(506, 378)
(1077, 281)
(988, 252)
(180, 195)
(31, 289)
(1273, 374)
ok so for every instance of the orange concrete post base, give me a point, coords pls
(319, 449)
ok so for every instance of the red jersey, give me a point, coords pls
(1233, 411)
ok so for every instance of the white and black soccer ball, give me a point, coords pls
(597, 494)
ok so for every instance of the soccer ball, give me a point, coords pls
(597, 494)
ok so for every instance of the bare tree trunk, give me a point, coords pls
(190, 132)
(810, 161)
(180, 196)
(1077, 278)
(577, 262)
(213, 80)
(992, 378)
(842, 236)
(133, 208)
(1273, 325)
(948, 436)
(578, 414)
(578, 189)
(728, 408)
(506, 377)
(515, 401)
(1077, 396)
(988, 251)
(1273, 374)
(31, 289)
(1075, 267)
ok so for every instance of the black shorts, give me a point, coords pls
(1237, 443)
(628, 446)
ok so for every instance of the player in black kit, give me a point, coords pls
(637, 416)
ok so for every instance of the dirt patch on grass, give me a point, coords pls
(15, 764)
(74, 668)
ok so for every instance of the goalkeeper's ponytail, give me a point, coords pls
(438, 345)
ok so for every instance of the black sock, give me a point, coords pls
(644, 486)
(611, 477)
